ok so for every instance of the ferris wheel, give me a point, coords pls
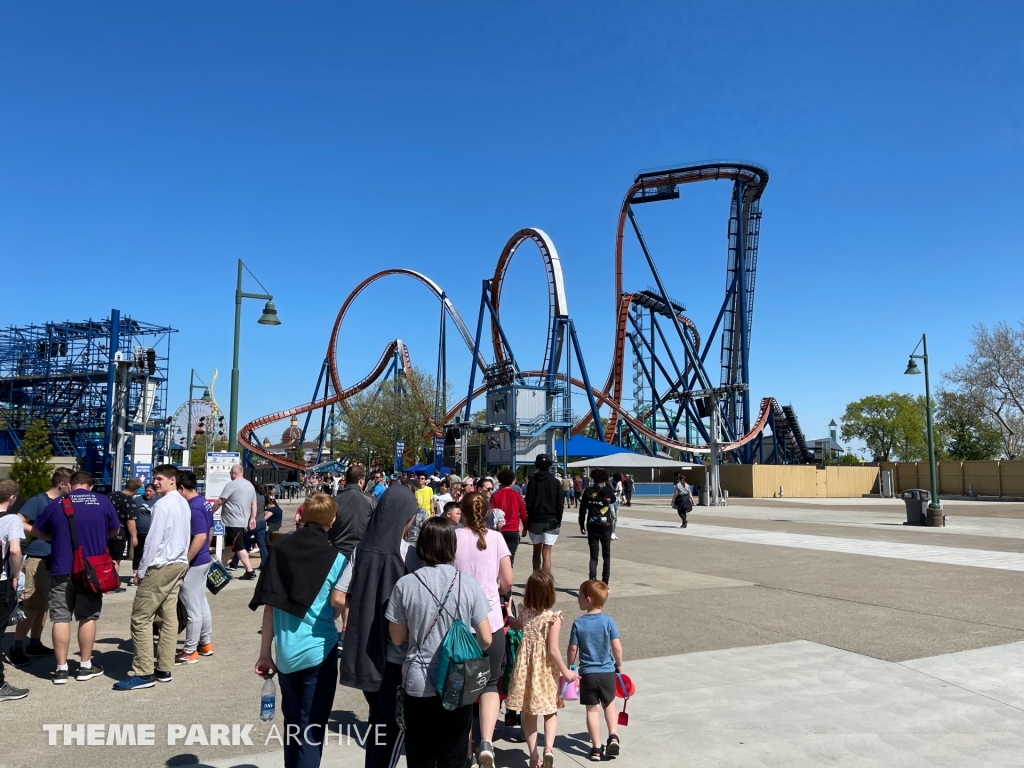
(198, 422)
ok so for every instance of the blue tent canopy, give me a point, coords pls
(588, 448)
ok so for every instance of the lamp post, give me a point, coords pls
(935, 506)
(192, 387)
(269, 317)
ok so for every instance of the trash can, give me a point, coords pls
(702, 496)
(917, 500)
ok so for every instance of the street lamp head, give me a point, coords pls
(206, 396)
(269, 315)
(912, 369)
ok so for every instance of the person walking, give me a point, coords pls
(596, 522)
(161, 571)
(95, 522)
(370, 662)
(627, 489)
(544, 504)
(239, 501)
(511, 502)
(199, 628)
(682, 502)
(422, 608)
(295, 590)
(482, 553)
(533, 689)
(11, 533)
(354, 511)
(36, 560)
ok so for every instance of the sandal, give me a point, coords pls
(549, 759)
(612, 748)
(595, 754)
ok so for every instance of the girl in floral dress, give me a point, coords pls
(534, 686)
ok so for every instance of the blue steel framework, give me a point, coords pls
(63, 373)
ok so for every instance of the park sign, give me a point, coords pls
(218, 471)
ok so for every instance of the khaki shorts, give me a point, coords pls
(37, 584)
(67, 602)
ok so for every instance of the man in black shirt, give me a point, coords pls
(124, 505)
(544, 503)
(596, 522)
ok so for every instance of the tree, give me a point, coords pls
(384, 413)
(965, 430)
(31, 469)
(992, 379)
(892, 426)
(849, 459)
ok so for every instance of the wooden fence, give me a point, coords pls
(761, 481)
(960, 478)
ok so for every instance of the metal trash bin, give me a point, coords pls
(917, 501)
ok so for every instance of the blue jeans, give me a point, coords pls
(261, 543)
(307, 697)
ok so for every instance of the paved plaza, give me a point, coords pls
(768, 633)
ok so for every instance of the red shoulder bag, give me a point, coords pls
(94, 574)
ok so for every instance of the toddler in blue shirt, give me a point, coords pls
(596, 638)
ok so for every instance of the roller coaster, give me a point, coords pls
(676, 404)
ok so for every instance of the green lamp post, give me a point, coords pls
(269, 317)
(934, 517)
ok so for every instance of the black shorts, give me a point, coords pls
(118, 548)
(495, 653)
(236, 538)
(597, 688)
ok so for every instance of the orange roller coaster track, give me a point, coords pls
(750, 181)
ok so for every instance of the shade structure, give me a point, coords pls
(630, 461)
(581, 446)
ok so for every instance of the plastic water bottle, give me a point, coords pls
(268, 699)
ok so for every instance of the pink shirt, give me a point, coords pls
(482, 565)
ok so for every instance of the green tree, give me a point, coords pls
(31, 469)
(384, 413)
(892, 426)
(849, 459)
(965, 430)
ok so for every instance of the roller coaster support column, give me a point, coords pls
(440, 407)
(741, 292)
(586, 381)
(691, 353)
(484, 303)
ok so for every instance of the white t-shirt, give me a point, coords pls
(11, 529)
(440, 501)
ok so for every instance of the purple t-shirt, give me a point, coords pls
(202, 522)
(95, 517)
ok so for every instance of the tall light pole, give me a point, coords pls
(269, 317)
(935, 506)
(192, 387)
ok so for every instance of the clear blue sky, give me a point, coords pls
(146, 148)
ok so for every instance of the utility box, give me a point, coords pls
(885, 484)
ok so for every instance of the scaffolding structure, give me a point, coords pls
(95, 384)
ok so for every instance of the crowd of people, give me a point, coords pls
(398, 560)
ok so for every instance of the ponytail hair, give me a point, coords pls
(474, 516)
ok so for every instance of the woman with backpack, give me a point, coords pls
(423, 607)
(682, 503)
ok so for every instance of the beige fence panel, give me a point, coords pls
(1011, 478)
(951, 478)
(984, 476)
(738, 480)
(850, 482)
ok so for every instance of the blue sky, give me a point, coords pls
(147, 148)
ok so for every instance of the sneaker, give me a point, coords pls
(17, 657)
(249, 576)
(163, 677)
(614, 537)
(37, 649)
(485, 755)
(60, 676)
(133, 683)
(233, 568)
(184, 657)
(612, 747)
(9, 693)
(549, 760)
(205, 649)
(88, 673)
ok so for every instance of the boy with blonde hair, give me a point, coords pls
(596, 637)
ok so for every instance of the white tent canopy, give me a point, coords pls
(631, 461)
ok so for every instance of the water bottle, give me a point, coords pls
(268, 699)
